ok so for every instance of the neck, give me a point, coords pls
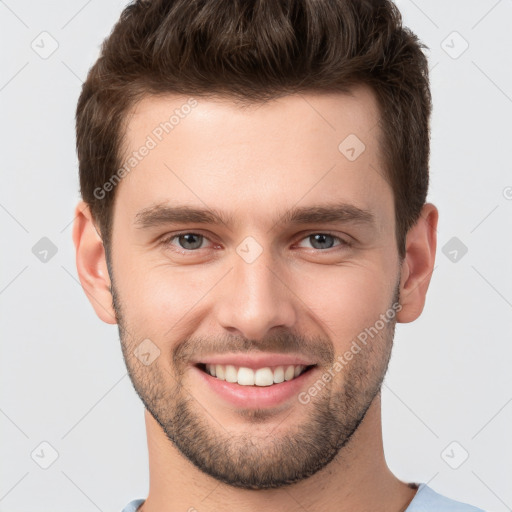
(357, 479)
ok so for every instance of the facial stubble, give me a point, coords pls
(273, 457)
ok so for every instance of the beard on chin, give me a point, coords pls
(268, 460)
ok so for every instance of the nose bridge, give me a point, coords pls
(256, 298)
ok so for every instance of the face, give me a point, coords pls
(247, 241)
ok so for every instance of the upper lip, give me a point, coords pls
(256, 360)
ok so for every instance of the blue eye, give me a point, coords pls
(187, 241)
(320, 240)
(190, 242)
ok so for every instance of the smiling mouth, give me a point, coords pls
(265, 376)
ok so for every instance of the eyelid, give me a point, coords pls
(344, 242)
(166, 240)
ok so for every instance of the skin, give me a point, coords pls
(256, 163)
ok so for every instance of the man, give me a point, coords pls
(254, 177)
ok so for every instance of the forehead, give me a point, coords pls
(356, 112)
(302, 148)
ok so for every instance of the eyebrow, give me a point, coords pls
(162, 214)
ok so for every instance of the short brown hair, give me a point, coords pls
(254, 51)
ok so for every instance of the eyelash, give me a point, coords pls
(166, 241)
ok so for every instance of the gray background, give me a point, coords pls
(448, 393)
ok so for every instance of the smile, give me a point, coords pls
(265, 376)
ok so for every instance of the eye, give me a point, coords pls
(191, 242)
(187, 241)
(322, 241)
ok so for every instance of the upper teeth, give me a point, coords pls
(249, 377)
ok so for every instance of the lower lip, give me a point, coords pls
(252, 397)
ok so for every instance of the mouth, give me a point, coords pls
(263, 377)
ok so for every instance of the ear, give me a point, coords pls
(418, 264)
(91, 263)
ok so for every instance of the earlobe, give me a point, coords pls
(418, 264)
(91, 263)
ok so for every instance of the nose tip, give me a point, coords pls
(255, 301)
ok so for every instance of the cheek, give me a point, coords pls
(162, 300)
(346, 300)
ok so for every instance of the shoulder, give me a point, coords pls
(133, 505)
(428, 500)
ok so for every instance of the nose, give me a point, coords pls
(256, 298)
